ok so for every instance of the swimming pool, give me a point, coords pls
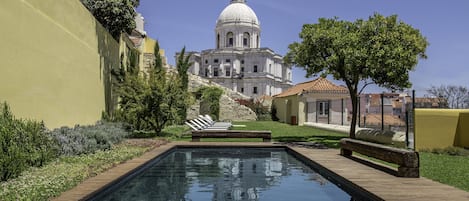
(224, 174)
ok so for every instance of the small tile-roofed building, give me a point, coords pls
(318, 100)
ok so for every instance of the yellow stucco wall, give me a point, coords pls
(54, 56)
(288, 107)
(462, 136)
(279, 104)
(150, 45)
(150, 48)
(440, 128)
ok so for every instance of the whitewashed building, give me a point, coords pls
(238, 62)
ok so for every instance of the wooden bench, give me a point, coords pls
(265, 135)
(407, 160)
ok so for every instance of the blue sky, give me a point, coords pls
(445, 24)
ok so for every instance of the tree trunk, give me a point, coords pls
(354, 97)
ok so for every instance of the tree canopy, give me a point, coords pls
(115, 15)
(381, 50)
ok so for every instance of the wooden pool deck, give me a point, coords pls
(379, 183)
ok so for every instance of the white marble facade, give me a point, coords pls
(238, 62)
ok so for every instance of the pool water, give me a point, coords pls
(227, 174)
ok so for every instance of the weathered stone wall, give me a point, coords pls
(230, 110)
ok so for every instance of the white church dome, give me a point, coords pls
(238, 11)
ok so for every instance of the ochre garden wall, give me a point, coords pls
(55, 60)
(462, 136)
(288, 107)
(441, 128)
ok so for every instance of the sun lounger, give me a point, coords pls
(214, 123)
(209, 125)
(199, 124)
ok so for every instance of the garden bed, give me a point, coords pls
(66, 172)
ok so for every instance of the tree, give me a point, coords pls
(158, 65)
(131, 89)
(149, 102)
(454, 96)
(166, 96)
(115, 15)
(163, 101)
(380, 50)
(182, 66)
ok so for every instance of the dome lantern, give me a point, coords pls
(238, 1)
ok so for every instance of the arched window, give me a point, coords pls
(229, 39)
(246, 40)
(218, 41)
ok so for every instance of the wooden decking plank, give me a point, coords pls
(382, 184)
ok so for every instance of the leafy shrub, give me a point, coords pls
(153, 101)
(88, 139)
(24, 143)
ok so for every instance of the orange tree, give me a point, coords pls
(380, 50)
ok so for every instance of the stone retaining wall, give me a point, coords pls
(230, 110)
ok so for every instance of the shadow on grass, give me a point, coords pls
(329, 141)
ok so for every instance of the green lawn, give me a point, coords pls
(447, 169)
(280, 132)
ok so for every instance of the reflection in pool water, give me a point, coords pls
(228, 174)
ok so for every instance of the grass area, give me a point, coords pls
(280, 132)
(175, 131)
(64, 173)
(287, 133)
(447, 169)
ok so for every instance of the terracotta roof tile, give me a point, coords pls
(319, 85)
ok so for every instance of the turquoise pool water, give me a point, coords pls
(226, 174)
